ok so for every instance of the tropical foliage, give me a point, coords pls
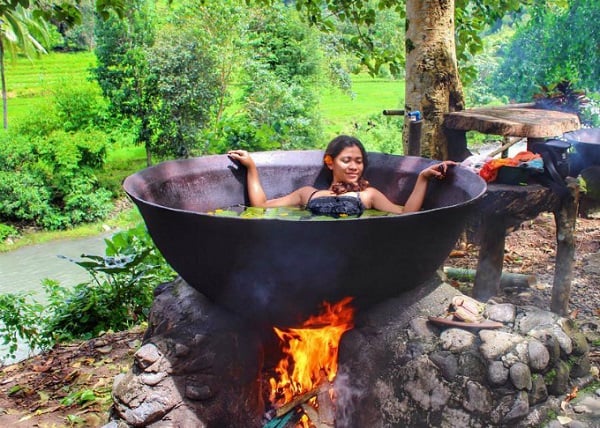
(552, 45)
(48, 164)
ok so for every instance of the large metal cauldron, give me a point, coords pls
(278, 272)
(585, 149)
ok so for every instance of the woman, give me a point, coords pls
(349, 192)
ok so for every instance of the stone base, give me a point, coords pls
(200, 366)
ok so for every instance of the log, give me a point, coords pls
(491, 258)
(507, 279)
(511, 142)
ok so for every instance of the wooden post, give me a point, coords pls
(457, 144)
(565, 217)
(491, 258)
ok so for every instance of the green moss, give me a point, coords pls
(549, 377)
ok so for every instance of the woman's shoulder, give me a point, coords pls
(370, 192)
(306, 192)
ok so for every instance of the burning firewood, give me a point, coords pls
(300, 399)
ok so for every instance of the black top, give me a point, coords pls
(335, 206)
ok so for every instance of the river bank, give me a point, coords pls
(123, 216)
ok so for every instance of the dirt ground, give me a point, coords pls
(70, 385)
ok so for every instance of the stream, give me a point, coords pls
(23, 270)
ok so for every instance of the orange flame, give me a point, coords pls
(310, 352)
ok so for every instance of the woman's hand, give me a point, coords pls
(242, 156)
(437, 171)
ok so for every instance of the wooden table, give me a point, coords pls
(504, 206)
(513, 120)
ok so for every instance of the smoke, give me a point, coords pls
(347, 397)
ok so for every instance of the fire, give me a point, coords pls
(310, 352)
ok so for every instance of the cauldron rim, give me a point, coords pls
(574, 136)
(127, 186)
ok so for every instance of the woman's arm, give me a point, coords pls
(415, 201)
(256, 193)
(416, 198)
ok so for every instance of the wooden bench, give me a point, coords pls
(506, 206)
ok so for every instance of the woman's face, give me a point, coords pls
(347, 166)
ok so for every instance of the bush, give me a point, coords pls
(50, 181)
(39, 122)
(554, 45)
(118, 296)
(23, 197)
(79, 107)
(20, 321)
(7, 231)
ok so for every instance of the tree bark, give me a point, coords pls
(433, 85)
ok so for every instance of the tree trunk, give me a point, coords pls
(433, 86)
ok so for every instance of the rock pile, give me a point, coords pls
(424, 375)
(396, 368)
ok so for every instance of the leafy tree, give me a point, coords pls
(553, 45)
(222, 27)
(433, 84)
(121, 71)
(280, 96)
(183, 88)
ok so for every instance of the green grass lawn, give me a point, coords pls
(29, 83)
(369, 97)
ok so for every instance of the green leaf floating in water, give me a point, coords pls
(376, 213)
(287, 213)
(253, 212)
(224, 213)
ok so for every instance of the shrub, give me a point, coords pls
(79, 107)
(50, 182)
(39, 122)
(119, 294)
(7, 231)
(23, 197)
(20, 321)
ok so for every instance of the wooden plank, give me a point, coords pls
(519, 121)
